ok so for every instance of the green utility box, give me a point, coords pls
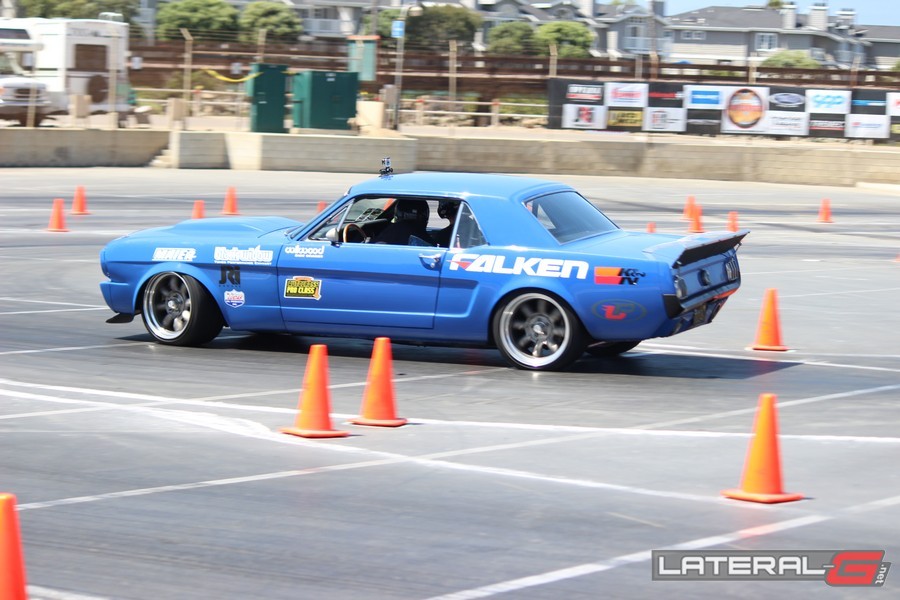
(324, 99)
(267, 92)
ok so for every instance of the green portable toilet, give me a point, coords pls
(267, 91)
(324, 99)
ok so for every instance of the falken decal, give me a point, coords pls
(537, 267)
(617, 276)
(619, 310)
(303, 287)
(178, 254)
(241, 256)
(234, 298)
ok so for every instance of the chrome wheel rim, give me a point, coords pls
(167, 306)
(535, 330)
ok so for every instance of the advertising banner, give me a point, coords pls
(826, 126)
(666, 95)
(869, 102)
(673, 120)
(868, 126)
(828, 102)
(787, 99)
(706, 97)
(703, 122)
(893, 104)
(583, 116)
(626, 95)
(624, 120)
(895, 128)
(745, 110)
(780, 122)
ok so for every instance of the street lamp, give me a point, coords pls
(410, 10)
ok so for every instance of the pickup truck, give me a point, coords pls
(18, 93)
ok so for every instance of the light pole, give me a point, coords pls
(410, 10)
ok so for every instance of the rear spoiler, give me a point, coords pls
(692, 248)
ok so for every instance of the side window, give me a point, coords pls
(468, 233)
(329, 229)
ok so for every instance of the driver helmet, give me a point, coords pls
(411, 210)
(447, 208)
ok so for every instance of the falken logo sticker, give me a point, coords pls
(537, 267)
(303, 287)
(234, 298)
(240, 256)
(305, 251)
(617, 276)
(179, 254)
(619, 310)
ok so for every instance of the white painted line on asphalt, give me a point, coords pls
(788, 403)
(8, 299)
(42, 593)
(54, 310)
(74, 348)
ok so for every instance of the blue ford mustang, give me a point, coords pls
(526, 265)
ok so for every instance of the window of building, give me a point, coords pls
(693, 35)
(766, 41)
(90, 58)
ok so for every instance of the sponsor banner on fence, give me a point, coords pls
(787, 99)
(745, 109)
(826, 125)
(869, 102)
(828, 102)
(868, 126)
(703, 122)
(893, 104)
(779, 122)
(666, 95)
(705, 97)
(665, 119)
(626, 95)
(581, 92)
(624, 120)
(584, 116)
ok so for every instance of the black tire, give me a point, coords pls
(178, 311)
(609, 349)
(536, 331)
(97, 88)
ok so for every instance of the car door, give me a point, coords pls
(358, 284)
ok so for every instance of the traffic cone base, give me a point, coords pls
(57, 218)
(696, 220)
(378, 400)
(314, 433)
(738, 494)
(230, 205)
(688, 208)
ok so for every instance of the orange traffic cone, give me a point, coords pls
(79, 202)
(761, 481)
(230, 205)
(378, 399)
(12, 564)
(57, 218)
(688, 213)
(696, 220)
(825, 212)
(314, 418)
(651, 227)
(732, 221)
(321, 206)
(768, 336)
(199, 210)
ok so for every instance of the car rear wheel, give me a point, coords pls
(610, 349)
(178, 311)
(539, 332)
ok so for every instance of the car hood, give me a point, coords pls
(224, 229)
(671, 249)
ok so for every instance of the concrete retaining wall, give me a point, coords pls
(46, 147)
(701, 158)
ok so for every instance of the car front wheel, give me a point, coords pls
(539, 332)
(178, 311)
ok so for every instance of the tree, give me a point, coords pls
(516, 37)
(795, 59)
(437, 25)
(573, 40)
(78, 9)
(280, 22)
(776, 4)
(204, 18)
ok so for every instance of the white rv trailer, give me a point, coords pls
(80, 57)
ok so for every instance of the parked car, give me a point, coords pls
(527, 265)
(22, 98)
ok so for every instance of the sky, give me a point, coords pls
(868, 12)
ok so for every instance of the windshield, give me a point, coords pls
(9, 65)
(568, 216)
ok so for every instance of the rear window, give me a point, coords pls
(568, 216)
